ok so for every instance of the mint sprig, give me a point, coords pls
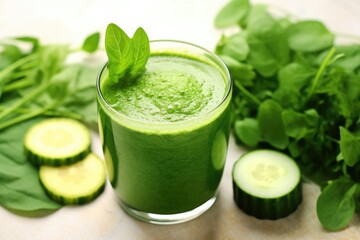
(127, 56)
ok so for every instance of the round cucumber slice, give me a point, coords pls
(57, 141)
(77, 183)
(267, 184)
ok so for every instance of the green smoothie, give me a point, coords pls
(165, 134)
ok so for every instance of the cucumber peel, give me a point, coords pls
(77, 183)
(267, 184)
(57, 142)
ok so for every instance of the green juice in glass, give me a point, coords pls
(165, 134)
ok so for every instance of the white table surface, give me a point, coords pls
(69, 21)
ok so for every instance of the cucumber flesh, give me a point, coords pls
(77, 183)
(267, 184)
(57, 142)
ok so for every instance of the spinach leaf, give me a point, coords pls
(295, 75)
(232, 13)
(309, 36)
(301, 125)
(80, 98)
(271, 124)
(240, 71)
(267, 41)
(260, 22)
(261, 57)
(351, 57)
(235, 46)
(51, 59)
(20, 188)
(40, 83)
(349, 146)
(335, 206)
(247, 130)
(34, 85)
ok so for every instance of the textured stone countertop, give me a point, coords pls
(188, 20)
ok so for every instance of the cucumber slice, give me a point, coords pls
(267, 184)
(77, 183)
(57, 142)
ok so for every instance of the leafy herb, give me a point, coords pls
(127, 57)
(295, 90)
(270, 114)
(91, 43)
(336, 205)
(234, 12)
(20, 188)
(35, 84)
(309, 36)
(41, 83)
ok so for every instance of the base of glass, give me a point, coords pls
(168, 219)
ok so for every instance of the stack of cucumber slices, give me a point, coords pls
(267, 184)
(69, 172)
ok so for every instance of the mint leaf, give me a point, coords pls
(127, 57)
(91, 43)
(140, 42)
(119, 51)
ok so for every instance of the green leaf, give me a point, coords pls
(35, 42)
(289, 97)
(335, 206)
(52, 59)
(141, 53)
(247, 131)
(9, 54)
(351, 60)
(271, 124)
(309, 36)
(232, 13)
(235, 47)
(300, 125)
(119, 51)
(81, 98)
(349, 146)
(267, 41)
(262, 58)
(72, 93)
(295, 124)
(20, 188)
(91, 43)
(260, 21)
(127, 57)
(241, 71)
(295, 75)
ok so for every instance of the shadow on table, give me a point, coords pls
(205, 227)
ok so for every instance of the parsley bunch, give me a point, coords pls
(297, 91)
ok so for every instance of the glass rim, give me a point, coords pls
(216, 60)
